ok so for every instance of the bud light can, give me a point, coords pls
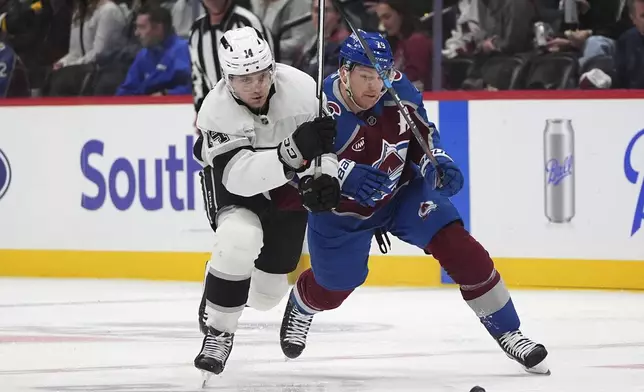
(559, 152)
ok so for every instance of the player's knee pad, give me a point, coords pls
(266, 290)
(463, 258)
(238, 242)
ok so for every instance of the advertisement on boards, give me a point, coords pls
(544, 179)
(558, 179)
(101, 178)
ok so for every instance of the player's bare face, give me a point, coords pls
(366, 86)
(253, 89)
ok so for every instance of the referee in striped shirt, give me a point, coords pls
(206, 31)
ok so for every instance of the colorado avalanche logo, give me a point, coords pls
(334, 109)
(392, 159)
(426, 208)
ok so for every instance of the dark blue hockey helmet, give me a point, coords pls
(352, 52)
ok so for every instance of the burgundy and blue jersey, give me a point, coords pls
(380, 137)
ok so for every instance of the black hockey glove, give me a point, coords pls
(319, 194)
(310, 140)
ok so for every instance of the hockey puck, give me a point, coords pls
(476, 388)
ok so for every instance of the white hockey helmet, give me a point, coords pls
(244, 51)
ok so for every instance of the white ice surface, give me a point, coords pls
(131, 336)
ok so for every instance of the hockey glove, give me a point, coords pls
(451, 179)
(311, 139)
(319, 194)
(363, 183)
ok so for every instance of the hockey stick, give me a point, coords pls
(320, 80)
(426, 145)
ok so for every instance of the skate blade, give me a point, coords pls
(540, 369)
(205, 377)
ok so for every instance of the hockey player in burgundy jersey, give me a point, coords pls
(389, 186)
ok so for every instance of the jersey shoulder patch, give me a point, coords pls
(334, 106)
(335, 110)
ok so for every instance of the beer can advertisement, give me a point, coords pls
(558, 179)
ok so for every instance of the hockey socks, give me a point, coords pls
(494, 308)
(470, 266)
(300, 303)
(312, 298)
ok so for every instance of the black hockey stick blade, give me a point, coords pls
(426, 145)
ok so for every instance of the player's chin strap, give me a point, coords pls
(347, 88)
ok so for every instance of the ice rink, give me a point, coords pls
(127, 336)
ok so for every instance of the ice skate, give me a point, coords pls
(215, 351)
(294, 330)
(527, 353)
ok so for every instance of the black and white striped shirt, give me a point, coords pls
(204, 43)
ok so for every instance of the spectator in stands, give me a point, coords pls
(184, 13)
(13, 74)
(467, 28)
(274, 14)
(594, 32)
(38, 31)
(630, 50)
(162, 67)
(99, 27)
(412, 48)
(365, 13)
(600, 23)
(335, 32)
(506, 26)
(549, 12)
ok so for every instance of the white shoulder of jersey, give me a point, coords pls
(221, 113)
(295, 92)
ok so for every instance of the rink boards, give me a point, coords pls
(108, 188)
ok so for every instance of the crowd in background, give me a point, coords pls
(149, 47)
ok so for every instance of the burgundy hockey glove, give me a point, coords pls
(319, 194)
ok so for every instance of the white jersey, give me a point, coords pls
(227, 126)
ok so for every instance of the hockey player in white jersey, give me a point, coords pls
(258, 132)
